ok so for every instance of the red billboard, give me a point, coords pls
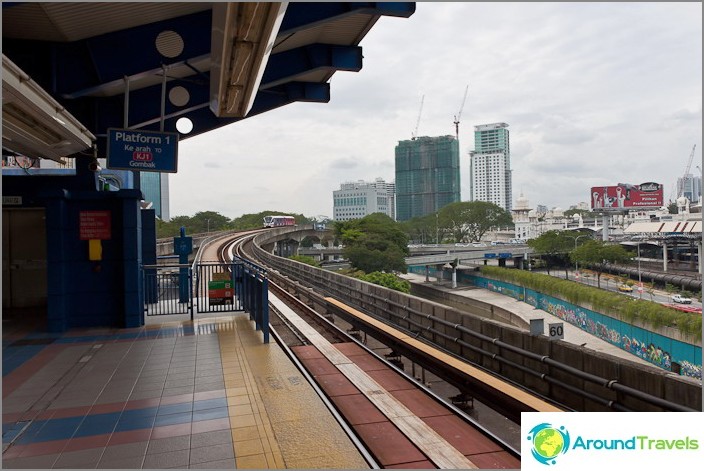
(627, 196)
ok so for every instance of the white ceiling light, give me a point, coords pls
(242, 39)
(33, 123)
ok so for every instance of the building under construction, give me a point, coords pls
(427, 175)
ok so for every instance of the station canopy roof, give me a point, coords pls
(667, 229)
(67, 67)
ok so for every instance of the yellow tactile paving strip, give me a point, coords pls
(276, 418)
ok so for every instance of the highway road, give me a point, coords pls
(611, 283)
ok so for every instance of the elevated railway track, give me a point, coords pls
(310, 306)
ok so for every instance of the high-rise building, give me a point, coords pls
(355, 200)
(490, 165)
(427, 175)
(690, 187)
(155, 189)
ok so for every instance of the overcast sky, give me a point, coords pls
(594, 94)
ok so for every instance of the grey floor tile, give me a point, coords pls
(146, 394)
(220, 464)
(178, 383)
(178, 391)
(202, 454)
(163, 445)
(185, 375)
(171, 459)
(31, 462)
(126, 450)
(202, 387)
(134, 462)
(79, 459)
(216, 437)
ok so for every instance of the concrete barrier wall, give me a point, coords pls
(403, 310)
(478, 308)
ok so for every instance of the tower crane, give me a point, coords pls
(415, 131)
(459, 114)
(680, 189)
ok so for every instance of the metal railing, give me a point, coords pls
(167, 290)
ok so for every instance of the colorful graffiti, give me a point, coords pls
(652, 353)
(639, 342)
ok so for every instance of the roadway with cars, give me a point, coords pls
(612, 283)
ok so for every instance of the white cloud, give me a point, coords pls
(594, 93)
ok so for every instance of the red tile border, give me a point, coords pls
(142, 403)
(83, 443)
(43, 448)
(67, 412)
(29, 368)
(12, 416)
(131, 436)
(107, 408)
(13, 452)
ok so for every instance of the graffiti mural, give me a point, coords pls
(650, 346)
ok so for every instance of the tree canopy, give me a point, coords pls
(374, 243)
(212, 221)
(469, 221)
(595, 253)
(200, 222)
(423, 229)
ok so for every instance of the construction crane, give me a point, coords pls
(459, 114)
(680, 187)
(415, 131)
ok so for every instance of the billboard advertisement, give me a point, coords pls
(627, 196)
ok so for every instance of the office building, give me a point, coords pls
(355, 200)
(490, 165)
(427, 175)
(690, 187)
(155, 189)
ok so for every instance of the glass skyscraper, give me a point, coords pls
(427, 175)
(155, 189)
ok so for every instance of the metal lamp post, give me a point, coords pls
(437, 228)
(640, 284)
(576, 264)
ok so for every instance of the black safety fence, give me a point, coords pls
(167, 289)
(253, 287)
(208, 287)
(215, 287)
(235, 286)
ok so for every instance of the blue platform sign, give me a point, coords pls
(490, 255)
(143, 151)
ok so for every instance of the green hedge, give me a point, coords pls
(627, 308)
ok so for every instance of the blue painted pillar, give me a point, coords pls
(183, 246)
(132, 260)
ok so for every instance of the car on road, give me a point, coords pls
(625, 288)
(679, 299)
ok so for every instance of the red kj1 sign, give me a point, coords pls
(627, 196)
(94, 225)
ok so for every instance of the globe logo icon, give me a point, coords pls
(548, 442)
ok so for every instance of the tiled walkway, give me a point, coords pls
(183, 395)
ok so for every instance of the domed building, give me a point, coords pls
(521, 218)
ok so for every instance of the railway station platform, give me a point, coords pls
(179, 394)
